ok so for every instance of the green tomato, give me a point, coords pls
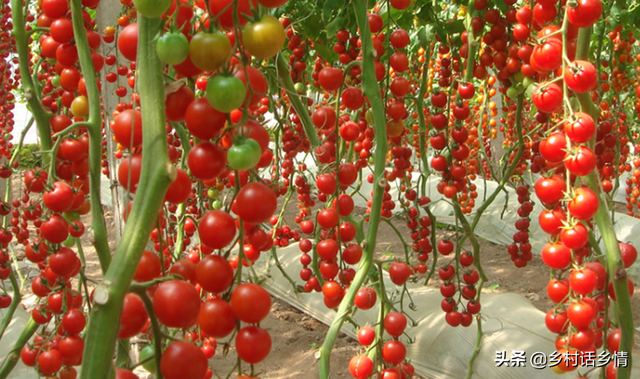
(55, 81)
(216, 205)
(527, 82)
(152, 8)
(518, 76)
(69, 242)
(148, 352)
(172, 48)
(512, 92)
(244, 155)
(225, 93)
(299, 87)
(71, 216)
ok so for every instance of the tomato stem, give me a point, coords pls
(94, 129)
(300, 108)
(156, 175)
(372, 92)
(31, 94)
(614, 264)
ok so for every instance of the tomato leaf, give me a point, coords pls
(325, 53)
(500, 4)
(329, 7)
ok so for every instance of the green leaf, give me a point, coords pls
(454, 27)
(330, 6)
(325, 53)
(493, 287)
(337, 24)
(312, 27)
(500, 4)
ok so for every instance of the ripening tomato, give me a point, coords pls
(134, 316)
(547, 97)
(553, 147)
(206, 160)
(129, 172)
(556, 255)
(216, 318)
(176, 304)
(182, 360)
(361, 367)
(575, 237)
(584, 204)
(250, 303)
(558, 290)
(127, 128)
(49, 362)
(580, 161)
(253, 344)
(395, 323)
(60, 198)
(224, 10)
(217, 229)
(214, 274)
(394, 352)
(628, 253)
(585, 14)
(257, 85)
(202, 120)
(177, 103)
(365, 298)
(399, 272)
(582, 129)
(255, 203)
(330, 78)
(581, 314)
(583, 282)
(80, 106)
(264, 38)
(581, 76)
(548, 56)
(128, 42)
(209, 51)
(550, 190)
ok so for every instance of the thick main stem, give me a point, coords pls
(14, 356)
(372, 92)
(156, 175)
(615, 265)
(94, 129)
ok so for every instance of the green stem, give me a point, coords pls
(94, 128)
(156, 175)
(14, 356)
(301, 110)
(14, 304)
(372, 92)
(155, 328)
(614, 264)
(28, 86)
